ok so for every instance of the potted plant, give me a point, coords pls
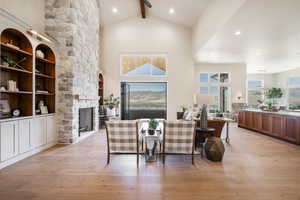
(184, 108)
(273, 95)
(112, 103)
(152, 126)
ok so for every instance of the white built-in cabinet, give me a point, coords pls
(25, 127)
(25, 135)
(9, 140)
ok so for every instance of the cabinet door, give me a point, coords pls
(292, 129)
(249, 119)
(266, 123)
(38, 136)
(25, 127)
(277, 122)
(241, 118)
(257, 121)
(9, 140)
(51, 129)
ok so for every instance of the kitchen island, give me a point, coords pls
(282, 125)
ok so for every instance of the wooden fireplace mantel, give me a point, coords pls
(88, 98)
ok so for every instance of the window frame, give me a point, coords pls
(290, 87)
(254, 89)
(218, 84)
(165, 55)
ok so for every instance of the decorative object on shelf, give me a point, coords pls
(16, 112)
(204, 100)
(4, 109)
(11, 44)
(44, 110)
(12, 86)
(8, 62)
(214, 149)
(152, 126)
(40, 54)
(41, 103)
(3, 89)
(42, 91)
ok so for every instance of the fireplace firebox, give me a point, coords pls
(86, 120)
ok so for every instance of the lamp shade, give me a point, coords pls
(205, 99)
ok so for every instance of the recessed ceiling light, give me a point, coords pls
(171, 11)
(237, 33)
(115, 10)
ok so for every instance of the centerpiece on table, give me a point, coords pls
(153, 124)
(112, 104)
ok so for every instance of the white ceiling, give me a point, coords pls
(270, 37)
(186, 13)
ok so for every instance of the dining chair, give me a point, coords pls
(122, 138)
(179, 138)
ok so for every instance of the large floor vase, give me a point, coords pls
(214, 149)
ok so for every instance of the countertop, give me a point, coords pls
(294, 114)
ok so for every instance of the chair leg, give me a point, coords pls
(137, 159)
(164, 158)
(108, 158)
(193, 159)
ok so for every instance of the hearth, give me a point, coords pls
(86, 120)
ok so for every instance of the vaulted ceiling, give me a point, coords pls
(264, 34)
(186, 12)
(269, 39)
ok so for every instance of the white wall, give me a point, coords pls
(238, 76)
(151, 36)
(30, 11)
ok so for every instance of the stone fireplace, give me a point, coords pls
(75, 27)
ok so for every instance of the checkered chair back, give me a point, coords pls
(122, 136)
(179, 137)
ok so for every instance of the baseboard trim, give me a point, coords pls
(25, 155)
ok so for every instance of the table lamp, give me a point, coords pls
(204, 100)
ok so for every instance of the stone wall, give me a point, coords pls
(75, 25)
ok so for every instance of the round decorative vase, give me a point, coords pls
(151, 131)
(214, 149)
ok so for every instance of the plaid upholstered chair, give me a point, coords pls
(122, 138)
(179, 138)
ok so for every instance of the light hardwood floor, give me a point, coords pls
(255, 167)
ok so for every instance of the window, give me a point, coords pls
(213, 83)
(294, 92)
(143, 65)
(255, 92)
(143, 100)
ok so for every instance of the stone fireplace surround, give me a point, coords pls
(75, 26)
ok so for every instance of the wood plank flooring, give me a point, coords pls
(255, 167)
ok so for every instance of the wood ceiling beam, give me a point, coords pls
(143, 9)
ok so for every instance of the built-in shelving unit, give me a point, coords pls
(16, 48)
(33, 83)
(45, 78)
(101, 89)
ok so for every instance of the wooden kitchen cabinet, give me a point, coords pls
(282, 126)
